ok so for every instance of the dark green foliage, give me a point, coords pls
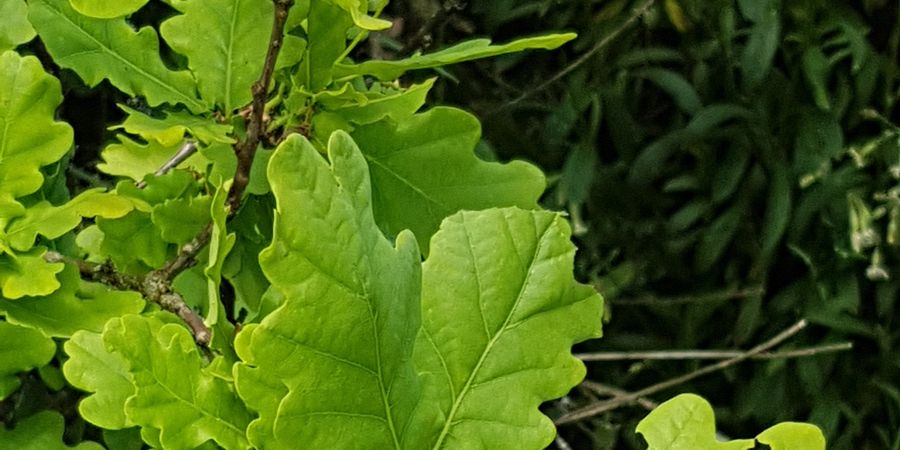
(741, 153)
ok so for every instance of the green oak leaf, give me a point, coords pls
(107, 9)
(30, 138)
(687, 422)
(93, 368)
(14, 26)
(346, 335)
(501, 312)
(76, 305)
(230, 55)
(181, 219)
(484, 331)
(466, 51)
(133, 242)
(128, 158)
(28, 274)
(169, 129)
(326, 31)
(174, 393)
(42, 431)
(21, 349)
(792, 436)
(98, 49)
(52, 221)
(357, 10)
(220, 244)
(372, 106)
(424, 169)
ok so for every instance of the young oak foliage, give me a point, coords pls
(362, 351)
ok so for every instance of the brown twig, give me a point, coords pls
(635, 15)
(246, 149)
(667, 355)
(687, 299)
(187, 255)
(616, 402)
(603, 389)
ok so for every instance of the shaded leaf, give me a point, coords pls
(42, 431)
(98, 49)
(424, 169)
(230, 55)
(21, 349)
(466, 51)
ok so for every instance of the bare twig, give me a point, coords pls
(635, 15)
(603, 389)
(183, 153)
(616, 402)
(711, 354)
(246, 149)
(686, 299)
(187, 255)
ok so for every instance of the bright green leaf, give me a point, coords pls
(128, 158)
(14, 26)
(173, 392)
(357, 10)
(346, 335)
(370, 107)
(93, 368)
(685, 422)
(220, 244)
(169, 129)
(77, 305)
(42, 431)
(53, 221)
(133, 243)
(475, 49)
(98, 49)
(326, 32)
(29, 136)
(793, 436)
(27, 274)
(21, 349)
(424, 169)
(500, 313)
(225, 42)
(107, 9)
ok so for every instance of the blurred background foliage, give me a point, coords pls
(730, 166)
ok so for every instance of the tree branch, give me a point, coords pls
(616, 402)
(246, 149)
(185, 152)
(666, 355)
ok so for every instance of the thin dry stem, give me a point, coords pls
(665, 355)
(594, 409)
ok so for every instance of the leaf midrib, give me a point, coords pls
(487, 350)
(187, 99)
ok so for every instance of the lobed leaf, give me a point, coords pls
(42, 431)
(21, 349)
(28, 274)
(343, 349)
(386, 70)
(14, 26)
(326, 31)
(500, 313)
(30, 137)
(52, 221)
(343, 343)
(76, 305)
(424, 169)
(169, 129)
(225, 42)
(687, 422)
(220, 244)
(107, 9)
(98, 49)
(173, 392)
(93, 368)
